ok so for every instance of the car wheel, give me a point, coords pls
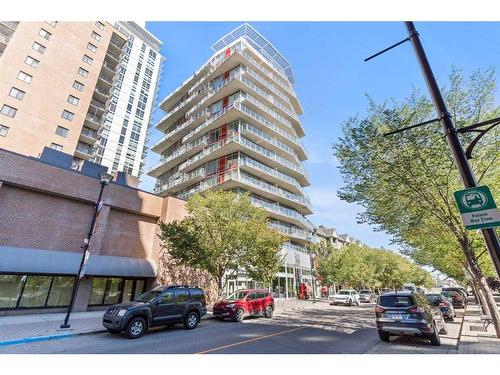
(384, 336)
(238, 315)
(269, 312)
(191, 320)
(114, 331)
(136, 328)
(350, 303)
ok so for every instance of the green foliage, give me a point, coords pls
(406, 181)
(224, 232)
(362, 267)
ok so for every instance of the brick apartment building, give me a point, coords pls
(45, 212)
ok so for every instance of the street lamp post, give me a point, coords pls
(104, 181)
(312, 277)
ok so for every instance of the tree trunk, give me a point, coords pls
(484, 289)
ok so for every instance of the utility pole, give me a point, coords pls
(451, 134)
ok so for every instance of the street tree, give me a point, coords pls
(222, 234)
(405, 182)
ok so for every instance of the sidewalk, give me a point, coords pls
(474, 339)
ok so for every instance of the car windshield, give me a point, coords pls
(148, 296)
(395, 301)
(365, 292)
(237, 296)
(433, 298)
(344, 292)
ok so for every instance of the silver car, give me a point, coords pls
(346, 297)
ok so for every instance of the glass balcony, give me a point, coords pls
(291, 232)
(281, 210)
(271, 140)
(185, 178)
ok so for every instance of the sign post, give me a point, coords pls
(477, 207)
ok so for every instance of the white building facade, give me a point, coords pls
(125, 126)
(235, 125)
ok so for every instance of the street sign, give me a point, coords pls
(477, 207)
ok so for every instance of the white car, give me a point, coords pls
(346, 297)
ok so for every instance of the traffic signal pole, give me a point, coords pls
(451, 134)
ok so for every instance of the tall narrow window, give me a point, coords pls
(67, 115)
(95, 36)
(32, 62)
(3, 133)
(56, 146)
(78, 85)
(44, 34)
(91, 47)
(16, 93)
(89, 60)
(8, 111)
(83, 72)
(73, 100)
(63, 132)
(38, 47)
(99, 25)
(25, 77)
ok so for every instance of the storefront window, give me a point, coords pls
(127, 290)
(36, 291)
(10, 288)
(113, 291)
(139, 288)
(60, 293)
(97, 292)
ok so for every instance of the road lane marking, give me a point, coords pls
(250, 340)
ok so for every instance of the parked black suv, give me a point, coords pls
(408, 313)
(161, 306)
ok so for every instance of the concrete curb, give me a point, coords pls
(26, 340)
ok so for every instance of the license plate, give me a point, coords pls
(396, 316)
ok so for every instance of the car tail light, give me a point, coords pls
(442, 304)
(379, 309)
(416, 310)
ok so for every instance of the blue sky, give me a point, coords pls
(331, 83)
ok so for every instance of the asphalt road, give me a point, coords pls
(311, 329)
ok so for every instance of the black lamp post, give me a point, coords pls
(104, 181)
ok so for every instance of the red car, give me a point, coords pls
(244, 303)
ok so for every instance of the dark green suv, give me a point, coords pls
(161, 306)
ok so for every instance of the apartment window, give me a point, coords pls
(79, 86)
(83, 72)
(56, 146)
(63, 132)
(52, 23)
(44, 34)
(9, 111)
(89, 60)
(67, 115)
(91, 47)
(73, 100)
(95, 36)
(99, 25)
(3, 130)
(16, 93)
(38, 47)
(25, 77)
(32, 62)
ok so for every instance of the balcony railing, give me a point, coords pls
(183, 126)
(98, 104)
(291, 232)
(280, 210)
(203, 141)
(266, 83)
(293, 247)
(172, 182)
(102, 92)
(106, 79)
(273, 189)
(84, 149)
(269, 111)
(89, 133)
(93, 118)
(249, 128)
(245, 160)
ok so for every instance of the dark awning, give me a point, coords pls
(23, 260)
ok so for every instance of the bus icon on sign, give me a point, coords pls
(474, 199)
